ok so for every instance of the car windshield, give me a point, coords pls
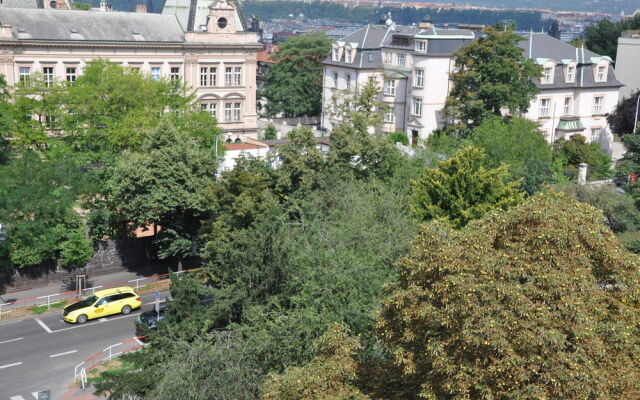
(89, 300)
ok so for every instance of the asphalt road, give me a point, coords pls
(40, 353)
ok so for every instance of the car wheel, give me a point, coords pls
(126, 309)
(82, 318)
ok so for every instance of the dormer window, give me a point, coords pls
(421, 46)
(347, 55)
(547, 75)
(571, 73)
(601, 75)
(334, 54)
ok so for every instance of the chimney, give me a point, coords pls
(582, 173)
(425, 23)
(141, 8)
(5, 31)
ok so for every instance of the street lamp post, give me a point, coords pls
(635, 122)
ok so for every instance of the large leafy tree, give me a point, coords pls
(461, 189)
(519, 144)
(621, 120)
(602, 38)
(163, 184)
(329, 376)
(539, 302)
(571, 153)
(491, 74)
(294, 83)
(37, 199)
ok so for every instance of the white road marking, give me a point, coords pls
(10, 365)
(11, 340)
(138, 340)
(43, 325)
(35, 395)
(95, 322)
(63, 354)
(102, 319)
(16, 398)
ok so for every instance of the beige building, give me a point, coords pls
(217, 62)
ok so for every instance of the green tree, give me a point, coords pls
(294, 83)
(164, 184)
(621, 120)
(602, 37)
(571, 153)
(329, 376)
(461, 189)
(399, 137)
(37, 200)
(270, 133)
(76, 251)
(492, 74)
(538, 302)
(6, 119)
(620, 212)
(519, 144)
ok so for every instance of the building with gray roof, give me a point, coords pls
(217, 62)
(413, 65)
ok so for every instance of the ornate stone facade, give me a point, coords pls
(217, 63)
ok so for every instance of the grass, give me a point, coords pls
(42, 309)
(116, 365)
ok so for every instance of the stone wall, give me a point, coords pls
(110, 256)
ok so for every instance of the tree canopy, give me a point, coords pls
(491, 74)
(461, 189)
(519, 144)
(536, 302)
(294, 83)
(602, 37)
(623, 117)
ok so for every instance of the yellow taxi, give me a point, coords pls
(102, 303)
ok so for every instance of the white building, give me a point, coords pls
(628, 62)
(414, 64)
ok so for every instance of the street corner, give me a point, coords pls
(75, 392)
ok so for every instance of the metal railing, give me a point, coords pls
(101, 357)
(47, 300)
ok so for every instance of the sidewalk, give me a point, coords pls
(76, 393)
(102, 280)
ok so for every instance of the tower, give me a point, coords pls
(222, 17)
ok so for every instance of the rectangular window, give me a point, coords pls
(210, 107)
(228, 76)
(417, 107)
(175, 74)
(25, 73)
(418, 78)
(595, 135)
(334, 54)
(571, 74)
(237, 76)
(389, 117)
(598, 103)
(387, 58)
(348, 80)
(335, 79)
(236, 111)
(401, 59)
(600, 74)
(47, 73)
(204, 76)
(566, 109)
(71, 74)
(545, 107)
(347, 56)
(213, 76)
(421, 46)
(389, 87)
(155, 73)
(547, 76)
(228, 111)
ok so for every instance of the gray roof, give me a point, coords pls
(68, 25)
(22, 3)
(372, 38)
(540, 47)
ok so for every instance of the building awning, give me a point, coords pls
(570, 124)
